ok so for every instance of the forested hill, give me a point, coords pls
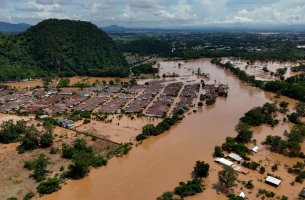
(60, 47)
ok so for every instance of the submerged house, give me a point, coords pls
(273, 181)
(224, 162)
(235, 157)
(66, 123)
(302, 193)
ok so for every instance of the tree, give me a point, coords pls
(244, 133)
(111, 82)
(227, 177)
(46, 139)
(166, 196)
(200, 104)
(210, 102)
(30, 140)
(29, 196)
(11, 132)
(117, 80)
(201, 169)
(39, 166)
(63, 82)
(300, 108)
(218, 152)
(80, 166)
(189, 188)
(133, 81)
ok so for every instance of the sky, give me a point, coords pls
(157, 13)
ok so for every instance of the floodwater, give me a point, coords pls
(25, 84)
(256, 69)
(73, 80)
(160, 163)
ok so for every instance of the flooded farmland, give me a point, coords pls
(160, 163)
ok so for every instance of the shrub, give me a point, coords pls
(262, 170)
(30, 140)
(11, 132)
(39, 166)
(189, 188)
(166, 196)
(210, 102)
(251, 165)
(29, 196)
(201, 169)
(46, 139)
(49, 186)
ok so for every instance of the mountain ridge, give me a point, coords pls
(60, 48)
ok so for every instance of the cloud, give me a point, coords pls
(157, 13)
(281, 12)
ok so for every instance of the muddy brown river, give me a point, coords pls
(160, 163)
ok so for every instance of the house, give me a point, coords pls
(43, 116)
(242, 195)
(104, 94)
(85, 93)
(302, 193)
(273, 181)
(235, 157)
(255, 149)
(51, 91)
(66, 123)
(66, 92)
(224, 162)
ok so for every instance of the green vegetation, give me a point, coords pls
(291, 146)
(265, 193)
(29, 196)
(49, 186)
(190, 188)
(11, 132)
(16, 61)
(261, 115)
(249, 185)
(218, 152)
(293, 87)
(83, 157)
(167, 196)
(46, 139)
(54, 47)
(30, 140)
(151, 130)
(39, 166)
(262, 170)
(244, 132)
(234, 197)
(203, 45)
(210, 102)
(144, 69)
(201, 169)
(232, 146)
(298, 171)
(251, 165)
(300, 68)
(227, 177)
(63, 82)
(146, 46)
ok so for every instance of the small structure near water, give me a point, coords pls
(273, 181)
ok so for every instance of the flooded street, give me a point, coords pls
(160, 163)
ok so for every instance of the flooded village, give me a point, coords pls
(118, 113)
